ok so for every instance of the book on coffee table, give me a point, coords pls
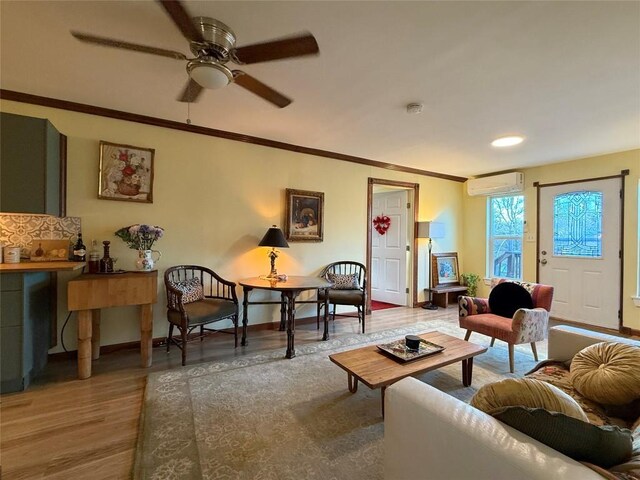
(398, 350)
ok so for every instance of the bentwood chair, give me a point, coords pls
(197, 296)
(350, 288)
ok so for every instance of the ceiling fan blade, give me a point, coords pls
(298, 46)
(255, 86)
(191, 92)
(175, 9)
(110, 42)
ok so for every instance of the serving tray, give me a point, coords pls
(399, 351)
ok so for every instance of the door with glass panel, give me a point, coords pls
(579, 250)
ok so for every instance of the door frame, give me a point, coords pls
(415, 187)
(621, 176)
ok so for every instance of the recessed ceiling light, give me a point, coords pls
(508, 141)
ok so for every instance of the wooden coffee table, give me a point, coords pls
(377, 370)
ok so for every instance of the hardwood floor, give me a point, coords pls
(65, 428)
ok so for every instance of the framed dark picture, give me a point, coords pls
(126, 173)
(444, 269)
(304, 216)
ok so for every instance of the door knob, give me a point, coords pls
(543, 261)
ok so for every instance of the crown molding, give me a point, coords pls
(212, 132)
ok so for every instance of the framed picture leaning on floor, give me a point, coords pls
(444, 269)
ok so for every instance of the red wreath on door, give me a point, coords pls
(381, 223)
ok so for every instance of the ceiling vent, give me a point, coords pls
(496, 184)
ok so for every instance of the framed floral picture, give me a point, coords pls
(126, 173)
(444, 269)
(304, 216)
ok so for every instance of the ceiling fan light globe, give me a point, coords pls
(209, 75)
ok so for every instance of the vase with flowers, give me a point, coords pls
(141, 237)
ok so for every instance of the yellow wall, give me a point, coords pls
(216, 198)
(475, 209)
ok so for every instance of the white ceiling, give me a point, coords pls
(564, 74)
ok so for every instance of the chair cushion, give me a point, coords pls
(507, 297)
(205, 311)
(525, 392)
(607, 373)
(341, 281)
(191, 290)
(343, 297)
(605, 446)
(491, 325)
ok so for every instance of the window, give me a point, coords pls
(577, 224)
(506, 226)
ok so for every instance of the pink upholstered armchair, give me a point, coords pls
(526, 326)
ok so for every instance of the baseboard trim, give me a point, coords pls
(162, 341)
(626, 331)
(632, 332)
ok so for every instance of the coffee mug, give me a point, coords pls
(412, 342)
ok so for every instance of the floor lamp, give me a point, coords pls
(430, 230)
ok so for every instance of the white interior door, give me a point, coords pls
(579, 250)
(389, 251)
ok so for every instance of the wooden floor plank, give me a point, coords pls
(65, 428)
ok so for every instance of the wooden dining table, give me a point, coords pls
(289, 290)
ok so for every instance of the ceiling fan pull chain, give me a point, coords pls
(188, 103)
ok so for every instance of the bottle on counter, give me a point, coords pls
(79, 250)
(94, 257)
(106, 262)
(72, 246)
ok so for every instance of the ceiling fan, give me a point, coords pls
(213, 44)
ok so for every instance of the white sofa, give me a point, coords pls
(431, 435)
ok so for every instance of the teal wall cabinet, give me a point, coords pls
(26, 306)
(32, 166)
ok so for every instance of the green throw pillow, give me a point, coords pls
(604, 446)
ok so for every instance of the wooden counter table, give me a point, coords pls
(26, 267)
(89, 293)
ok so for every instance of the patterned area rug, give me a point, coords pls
(264, 417)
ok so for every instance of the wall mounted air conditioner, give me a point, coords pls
(505, 183)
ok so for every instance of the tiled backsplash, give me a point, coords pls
(20, 230)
